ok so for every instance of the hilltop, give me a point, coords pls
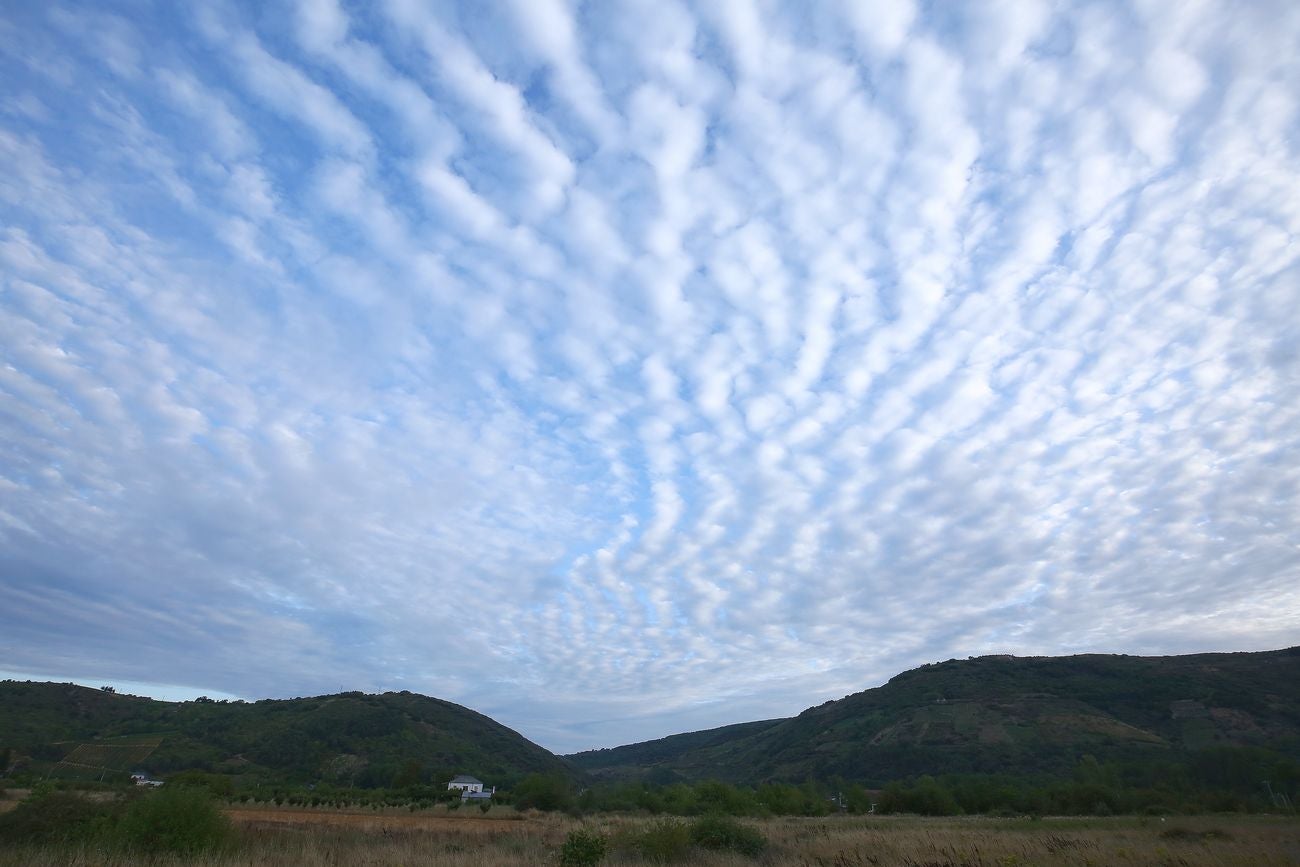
(351, 737)
(992, 714)
(997, 714)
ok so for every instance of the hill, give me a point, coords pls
(656, 761)
(352, 738)
(997, 714)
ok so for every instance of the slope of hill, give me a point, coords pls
(662, 754)
(351, 737)
(998, 715)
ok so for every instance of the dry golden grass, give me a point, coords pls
(280, 837)
(984, 842)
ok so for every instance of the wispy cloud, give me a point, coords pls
(621, 369)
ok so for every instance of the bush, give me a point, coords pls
(220, 785)
(174, 819)
(663, 842)
(550, 792)
(926, 796)
(52, 816)
(583, 849)
(720, 832)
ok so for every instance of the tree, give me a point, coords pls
(543, 792)
(926, 796)
(345, 767)
(179, 819)
(409, 775)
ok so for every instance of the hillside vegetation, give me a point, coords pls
(351, 738)
(1225, 722)
(999, 715)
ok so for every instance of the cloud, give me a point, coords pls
(494, 107)
(286, 88)
(619, 374)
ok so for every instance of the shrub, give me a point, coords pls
(220, 785)
(583, 849)
(720, 832)
(663, 842)
(550, 792)
(173, 819)
(52, 816)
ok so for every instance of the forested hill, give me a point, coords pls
(664, 754)
(999, 714)
(1034, 715)
(354, 738)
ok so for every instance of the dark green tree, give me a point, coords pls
(408, 775)
(543, 792)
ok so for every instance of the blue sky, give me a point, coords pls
(619, 369)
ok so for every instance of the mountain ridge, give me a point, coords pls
(988, 714)
(373, 740)
(996, 714)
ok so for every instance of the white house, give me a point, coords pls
(465, 784)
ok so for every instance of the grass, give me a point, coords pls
(280, 837)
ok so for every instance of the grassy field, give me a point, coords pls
(281, 837)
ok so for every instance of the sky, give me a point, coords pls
(626, 368)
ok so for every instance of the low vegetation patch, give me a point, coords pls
(583, 848)
(394, 838)
(672, 841)
(1190, 836)
(727, 834)
(665, 841)
(52, 816)
(176, 819)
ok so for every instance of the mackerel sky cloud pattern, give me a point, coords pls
(626, 368)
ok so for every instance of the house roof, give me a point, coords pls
(462, 778)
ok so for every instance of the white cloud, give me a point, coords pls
(633, 348)
(881, 28)
(494, 105)
(550, 27)
(288, 90)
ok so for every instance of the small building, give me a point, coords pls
(465, 784)
(142, 779)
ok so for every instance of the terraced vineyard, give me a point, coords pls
(96, 760)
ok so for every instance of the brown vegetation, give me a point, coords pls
(390, 820)
(271, 837)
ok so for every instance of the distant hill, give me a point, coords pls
(657, 761)
(351, 738)
(996, 714)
